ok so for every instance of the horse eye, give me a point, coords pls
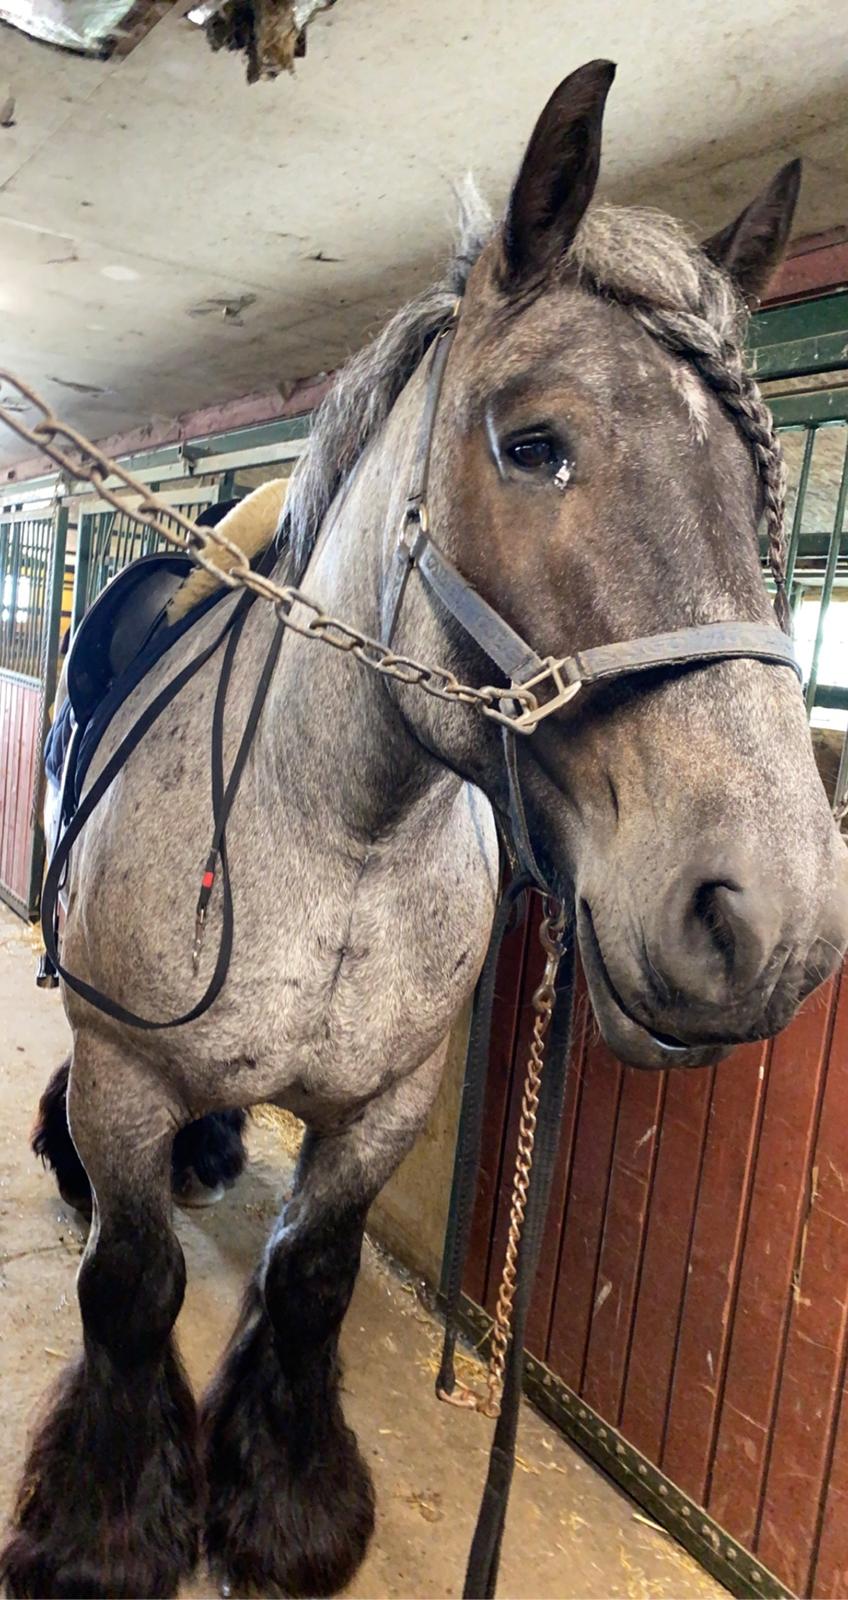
(538, 452)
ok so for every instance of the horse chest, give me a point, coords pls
(367, 1002)
(361, 977)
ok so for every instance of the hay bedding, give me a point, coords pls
(827, 749)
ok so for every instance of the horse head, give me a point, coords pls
(601, 463)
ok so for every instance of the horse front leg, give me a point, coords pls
(109, 1499)
(290, 1498)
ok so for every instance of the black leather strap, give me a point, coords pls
(470, 1132)
(701, 643)
(222, 801)
(439, 352)
(61, 855)
(707, 641)
(515, 657)
(519, 840)
(410, 540)
(482, 1571)
(415, 511)
(481, 1575)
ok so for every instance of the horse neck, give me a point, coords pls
(375, 776)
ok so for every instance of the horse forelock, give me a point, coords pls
(644, 258)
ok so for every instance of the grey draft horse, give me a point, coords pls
(600, 464)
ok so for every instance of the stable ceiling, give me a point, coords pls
(140, 198)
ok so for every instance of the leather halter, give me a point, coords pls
(565, 675)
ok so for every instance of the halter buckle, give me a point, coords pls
(414, 512)
(528, 719)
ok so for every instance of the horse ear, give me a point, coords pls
(752, 247)
(558, 175)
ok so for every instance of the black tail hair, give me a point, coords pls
(212, 1147)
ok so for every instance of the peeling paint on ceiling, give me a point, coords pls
(271, 34)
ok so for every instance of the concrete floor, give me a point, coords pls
(570, 1532)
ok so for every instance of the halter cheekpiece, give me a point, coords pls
(552, 681)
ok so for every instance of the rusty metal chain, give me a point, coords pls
(489, 1404)
(96, 468)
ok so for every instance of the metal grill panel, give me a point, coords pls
(109, 540)
(26, 546)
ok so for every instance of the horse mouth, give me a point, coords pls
(629, 1039)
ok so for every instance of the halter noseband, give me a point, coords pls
(564, 675)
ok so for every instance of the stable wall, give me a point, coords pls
(410, 1215)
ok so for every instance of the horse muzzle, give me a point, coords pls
(711, 968)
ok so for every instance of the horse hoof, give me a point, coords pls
(310, 1547)
(276, 1529)
(86, 1526)
(31, 1569)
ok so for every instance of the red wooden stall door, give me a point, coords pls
(20, 714)
(694, 1278)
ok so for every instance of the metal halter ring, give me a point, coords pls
(527, 720)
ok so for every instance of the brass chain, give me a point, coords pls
(96, 468)
(489, 1404)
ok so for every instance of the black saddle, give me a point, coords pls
(119, 639)
(120, 624)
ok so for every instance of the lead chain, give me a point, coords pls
(544, 999)
(95, 468)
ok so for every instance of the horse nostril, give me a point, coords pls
(716, 907)
(712, 933)
(739, 925)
